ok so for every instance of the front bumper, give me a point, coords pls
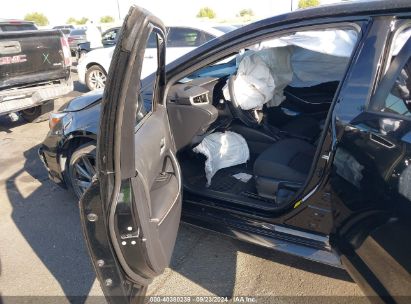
(20, 99)
(52, 166)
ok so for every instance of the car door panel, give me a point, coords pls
(371, 204)
(131, 214)
(158, 173)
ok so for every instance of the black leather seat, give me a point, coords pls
(285, 163)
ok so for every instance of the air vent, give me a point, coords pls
(200, 99)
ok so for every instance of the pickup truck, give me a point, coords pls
(34, 68)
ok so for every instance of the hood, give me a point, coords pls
(83, 101)
(101, 52)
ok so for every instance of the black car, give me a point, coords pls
(329, 162)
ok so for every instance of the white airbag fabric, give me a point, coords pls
(222, 150)
(338, 43)
(254, 83)
(261, 78)
(312, 68)
(303, 59)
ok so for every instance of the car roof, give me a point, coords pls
(209, 28)
(14, 21)
(341, 9)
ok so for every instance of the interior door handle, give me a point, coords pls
(381, 141)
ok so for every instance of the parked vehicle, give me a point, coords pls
(76, 37)
(108, 39)
(65, 26)
(327, 129)
(92, 68)
(34, 68)
(14, 25)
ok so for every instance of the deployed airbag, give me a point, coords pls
(254, 84)
(261, 78)
(303, 59)
(222, 150)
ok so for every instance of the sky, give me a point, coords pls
(58, 11)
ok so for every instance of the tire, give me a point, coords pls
(81, 168)
(31, 114)
(96, 78)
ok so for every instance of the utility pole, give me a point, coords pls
(291, 5)
(118, 9)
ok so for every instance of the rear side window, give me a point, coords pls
(184, 37)
(111, 35)
(17, 27)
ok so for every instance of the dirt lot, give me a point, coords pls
(42, 251)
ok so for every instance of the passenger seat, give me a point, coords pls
(285, 163)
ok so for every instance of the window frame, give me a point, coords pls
(158, 83)
(354, 24)
(387, 61)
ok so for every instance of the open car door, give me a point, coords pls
(372, 198)
(131, 213)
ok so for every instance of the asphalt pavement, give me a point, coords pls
(42, 252)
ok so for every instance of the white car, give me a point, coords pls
(93, 67)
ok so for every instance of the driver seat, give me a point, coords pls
(284, 165)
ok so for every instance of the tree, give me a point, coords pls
(308, 3)
(82, 21)
(106, 19)
(71, 20)
(246, 12)
(37, 18)
(206, 12)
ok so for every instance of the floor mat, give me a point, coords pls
(222, 181)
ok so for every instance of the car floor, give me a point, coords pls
(223, 184)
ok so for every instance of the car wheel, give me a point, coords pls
(31, 114)
(95, 78)
(82, 168)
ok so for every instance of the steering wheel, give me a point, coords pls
(251, 118)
